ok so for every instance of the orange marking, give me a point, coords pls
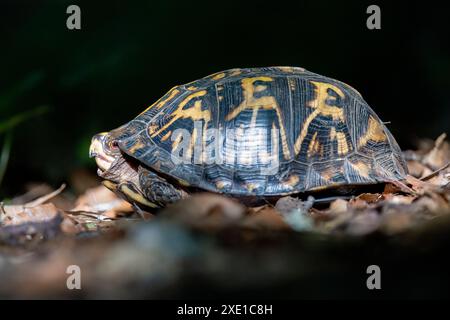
(362, 168)
(343, 147)
(250, 187)
(166, 136)
(221, 184)
(160, 103)
(195, 113)
(136, 146)
(235, 73)
(321, 107)
(375, 132)
(152, 128)
(264, 102)
(314, 146)
(292, 181)
(218, 76)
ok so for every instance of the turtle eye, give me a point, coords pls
(113, 145)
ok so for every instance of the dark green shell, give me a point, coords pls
(308, 132)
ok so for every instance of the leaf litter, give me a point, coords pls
(54, 228)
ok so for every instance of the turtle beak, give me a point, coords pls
(96, 150)
(96, 145)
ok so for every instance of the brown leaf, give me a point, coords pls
(100, 200)
(41, 213)
(398, 199)
(266, 219)
(205, 210)
(439, 156)
(418, 169)
(338, 206)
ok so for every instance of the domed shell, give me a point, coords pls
(264, 131)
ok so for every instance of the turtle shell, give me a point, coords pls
(264, 131)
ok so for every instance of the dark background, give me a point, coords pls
(129, 53)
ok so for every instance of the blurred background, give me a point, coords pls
(58, 87)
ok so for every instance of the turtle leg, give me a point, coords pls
(131, 193)
(134, 195)
(158, 190)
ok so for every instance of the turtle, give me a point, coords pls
(249, 133)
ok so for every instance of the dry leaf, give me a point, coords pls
(266, 219)
(205, 210)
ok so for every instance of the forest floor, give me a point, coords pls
(212, 246)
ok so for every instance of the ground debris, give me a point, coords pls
(45, 230)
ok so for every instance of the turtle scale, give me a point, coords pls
(329, 136)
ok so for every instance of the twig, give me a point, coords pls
(403, 187)
(435, 173)
(45, 198)
(90, 215)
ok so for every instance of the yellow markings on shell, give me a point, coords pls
(152, 128)
(264, 102)
(166, 136)
(250, 187)
(219, 76)
(138, 145)
(221, 184)
(362, 168)
(133, 195)
(342, 143)
(341, 139)
(192, 88)
(321, 107)
(375, 132)
(286, 69)
(329, 173)
(314, 146)
(292, 181)
(195, 113)
(235, 73)
(160, 103)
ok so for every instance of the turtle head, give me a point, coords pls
(104, 148)
(119, 171)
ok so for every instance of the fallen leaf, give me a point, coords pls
(100, 200)
(266, 219)
(205, 210)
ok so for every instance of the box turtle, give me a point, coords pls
(250, 133)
